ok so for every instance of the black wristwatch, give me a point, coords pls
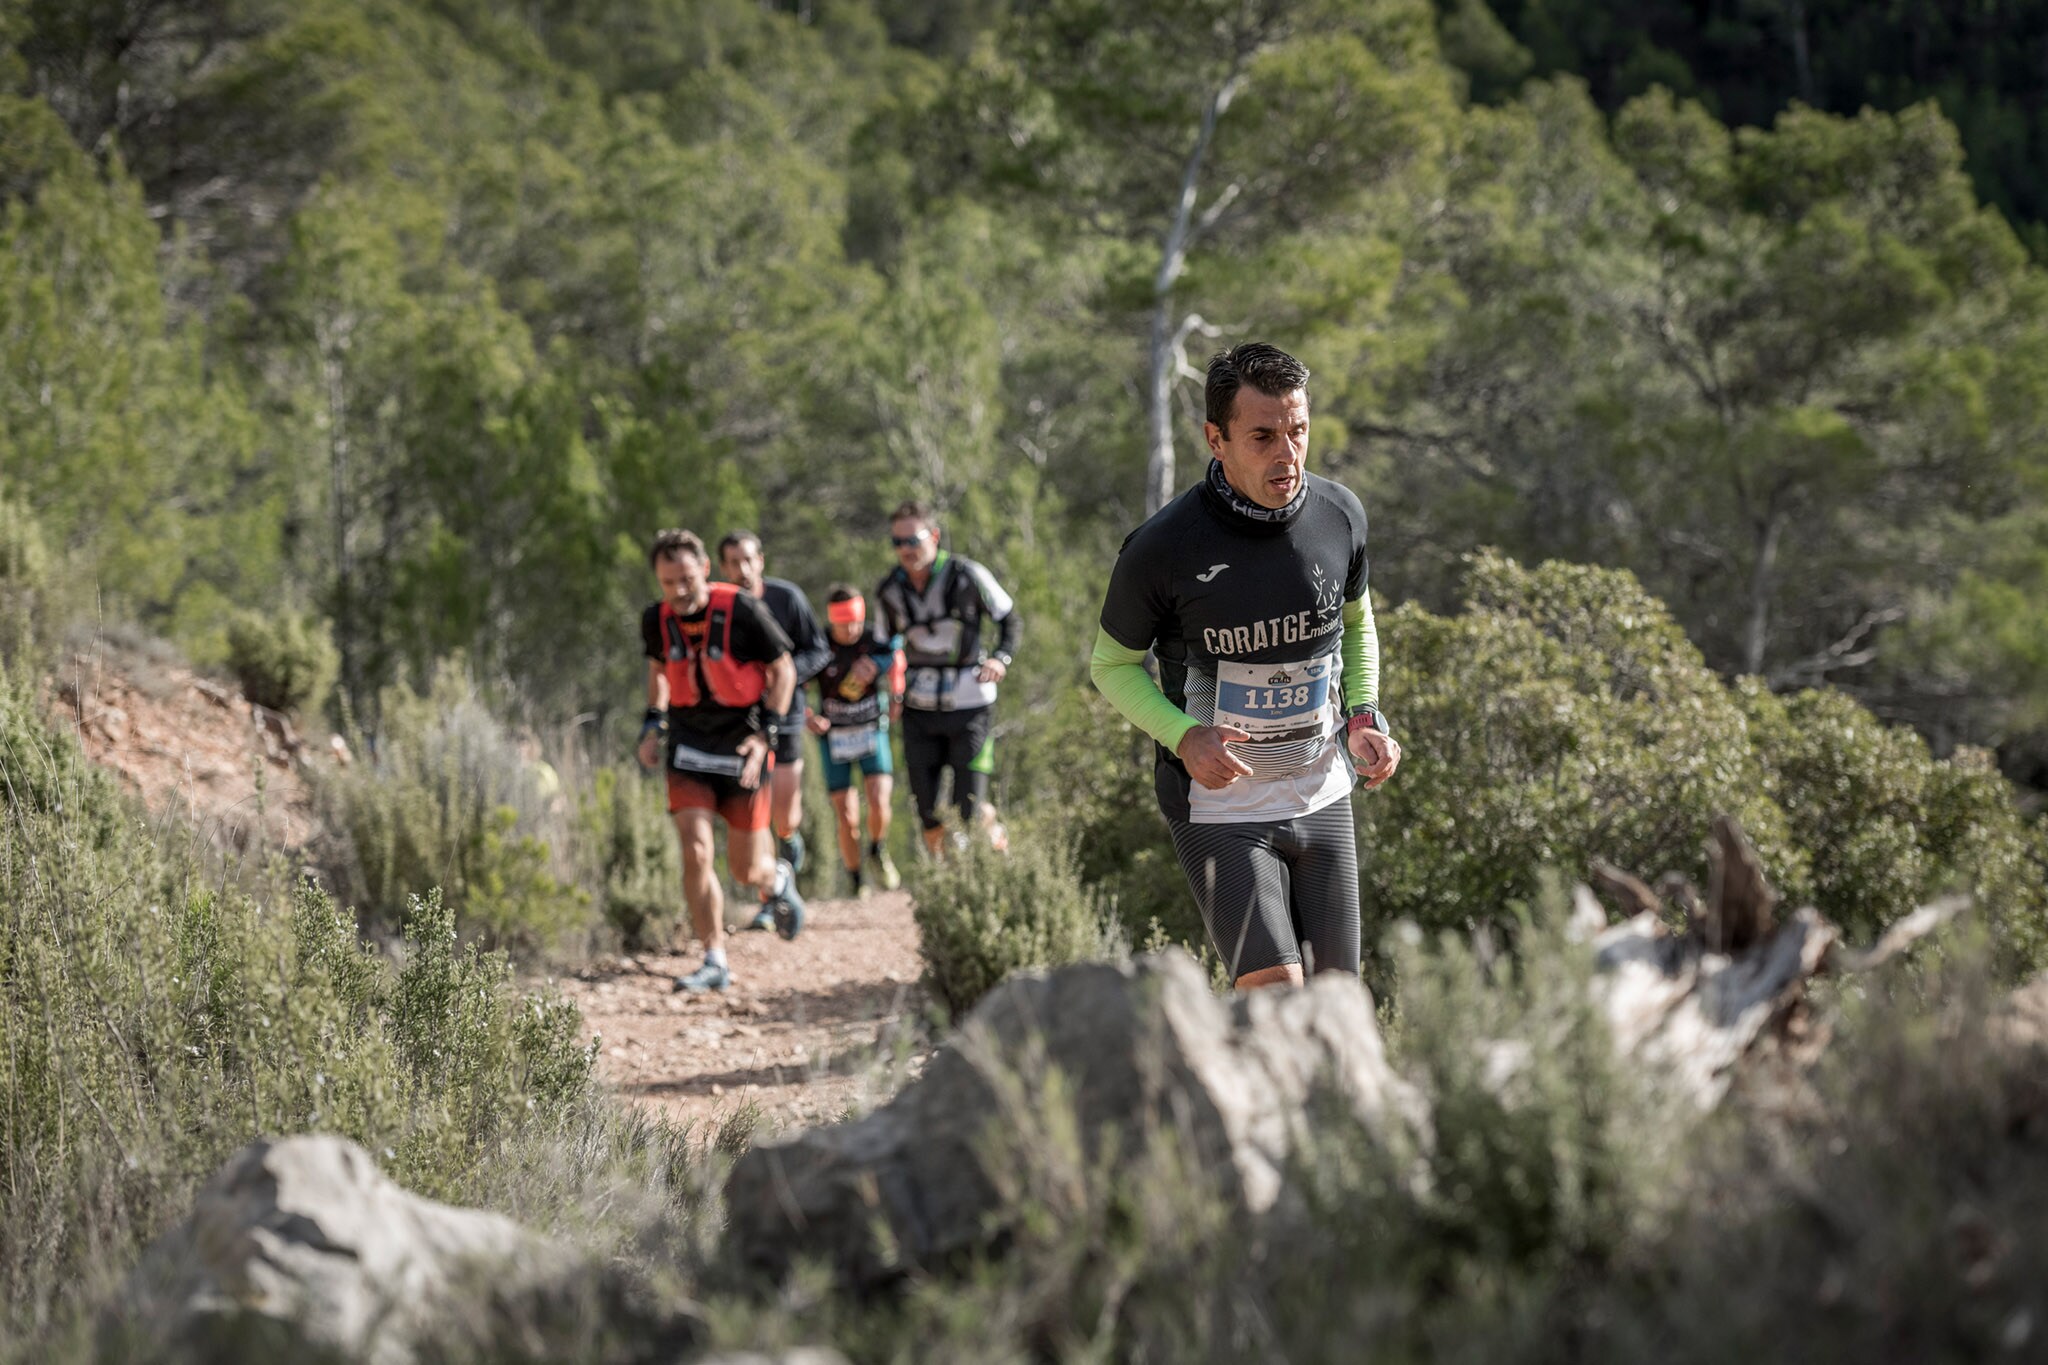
(654, 723)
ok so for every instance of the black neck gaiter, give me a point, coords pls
(1237, 504)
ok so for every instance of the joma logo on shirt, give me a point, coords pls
(1275, 630)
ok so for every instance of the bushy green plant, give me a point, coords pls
(1887, 826)
(1563, 717)
(281, 660)
(156, 1019)
(982, 915)
(629, 857)
(25, 571)
(446, 801)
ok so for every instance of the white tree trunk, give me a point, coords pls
(1164, 361)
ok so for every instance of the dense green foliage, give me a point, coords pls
(1563, 717)
(1748, 62)
(156, 1019)
(449, 807)
(982, 915)
(426, 315)
(283, 662)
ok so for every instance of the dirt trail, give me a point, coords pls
(797, 1034)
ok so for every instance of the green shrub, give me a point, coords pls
(1888, 827)
(155, 1019)
(281, 660)
(1563, 716)
(630, 861)
(982, 915)
(446, 801)
(25, 583)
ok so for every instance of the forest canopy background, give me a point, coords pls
(410, 320)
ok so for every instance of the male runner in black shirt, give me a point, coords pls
(1251, 588)
(741, 561)
(718, 674)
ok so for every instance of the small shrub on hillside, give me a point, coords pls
(982, 915)
(156, 1021)
(281, 660)
(627, 848)
(1562, 717)
(25, 583)
(446, 801)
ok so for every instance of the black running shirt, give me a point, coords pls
(808, 643)
(1247, 620)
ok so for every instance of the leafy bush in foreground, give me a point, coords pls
(155, 1019)
(1563, 716)
(982, 915)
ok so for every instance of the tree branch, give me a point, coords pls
(1847, 652)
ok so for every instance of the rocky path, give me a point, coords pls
(805, 1033)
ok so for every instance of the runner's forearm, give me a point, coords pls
(1012, 632)
(1120, 675)
(1361, 655)
(779, 689)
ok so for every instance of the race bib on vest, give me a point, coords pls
(685, 759)
(850, 744)
(1276, 703)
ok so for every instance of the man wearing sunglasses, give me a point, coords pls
(1250, 588)
(960, 631)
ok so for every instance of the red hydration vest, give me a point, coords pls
(727, 681)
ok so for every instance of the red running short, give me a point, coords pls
(741, 808)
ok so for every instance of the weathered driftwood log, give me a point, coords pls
(1693, 1003)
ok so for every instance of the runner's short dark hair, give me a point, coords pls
(842, 592)
(911, 510)
(734, 540)
(674, 544)
(1268, 369)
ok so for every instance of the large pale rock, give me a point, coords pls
(1138, 1049)
(300, 1248)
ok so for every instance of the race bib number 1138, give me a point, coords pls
(1276, 702)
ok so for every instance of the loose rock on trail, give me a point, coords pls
(803, 1031)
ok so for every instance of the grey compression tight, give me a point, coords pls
(1268, 888)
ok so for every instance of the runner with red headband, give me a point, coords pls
(852, 726)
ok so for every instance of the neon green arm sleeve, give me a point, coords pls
(1120, 675)
(1361, 655)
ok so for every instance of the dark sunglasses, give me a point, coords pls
(905, 542)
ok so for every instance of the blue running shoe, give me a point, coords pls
(709, 977)
(764, 921)
(791, 850)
